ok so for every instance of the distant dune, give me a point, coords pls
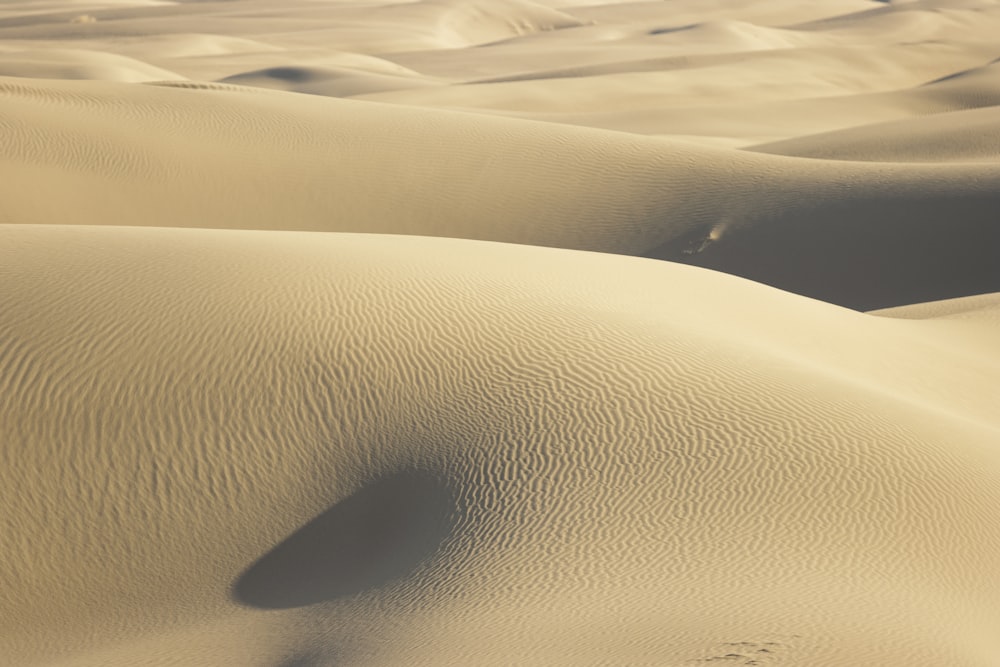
(856, 234)
(504, 332)
(79, 64)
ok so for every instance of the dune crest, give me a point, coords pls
(732, 455)
(124, 153)
(79, 64)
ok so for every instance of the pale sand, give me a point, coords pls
(226, 441)
(864, 235)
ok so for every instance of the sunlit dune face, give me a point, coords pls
(499, 332)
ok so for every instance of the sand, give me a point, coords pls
(499, 332)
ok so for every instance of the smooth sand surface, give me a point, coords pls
(860, 234)
(499, 332)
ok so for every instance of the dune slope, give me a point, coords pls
(286, 448)
(857, 234)
(551, 333)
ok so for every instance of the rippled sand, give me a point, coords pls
(350, 333)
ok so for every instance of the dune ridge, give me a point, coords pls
(952, 136)
(282, 385)
(125, 152)
(79, 64)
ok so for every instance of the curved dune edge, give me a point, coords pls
(980, 307)
(969, 135)
(72, 63)
(623, 460)
(855, 234)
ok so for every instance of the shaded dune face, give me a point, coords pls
(330, 81)
(861, 235)
(397, 449)
(864, 251)
(381, 533)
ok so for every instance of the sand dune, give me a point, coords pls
(499, 332)
(970, 135)
(381, 26)
(775, 14)
(981, 307)
(914, 19)
(141, 155)
(778, 120)
(752, 470)
(79, 64)
(754, 77)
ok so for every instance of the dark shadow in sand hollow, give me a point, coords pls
(381, 533)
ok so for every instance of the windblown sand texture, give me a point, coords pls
(500, 332)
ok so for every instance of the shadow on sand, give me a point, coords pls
(381, 533)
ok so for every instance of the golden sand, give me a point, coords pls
(499, 332)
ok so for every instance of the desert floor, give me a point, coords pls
(500, 332)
